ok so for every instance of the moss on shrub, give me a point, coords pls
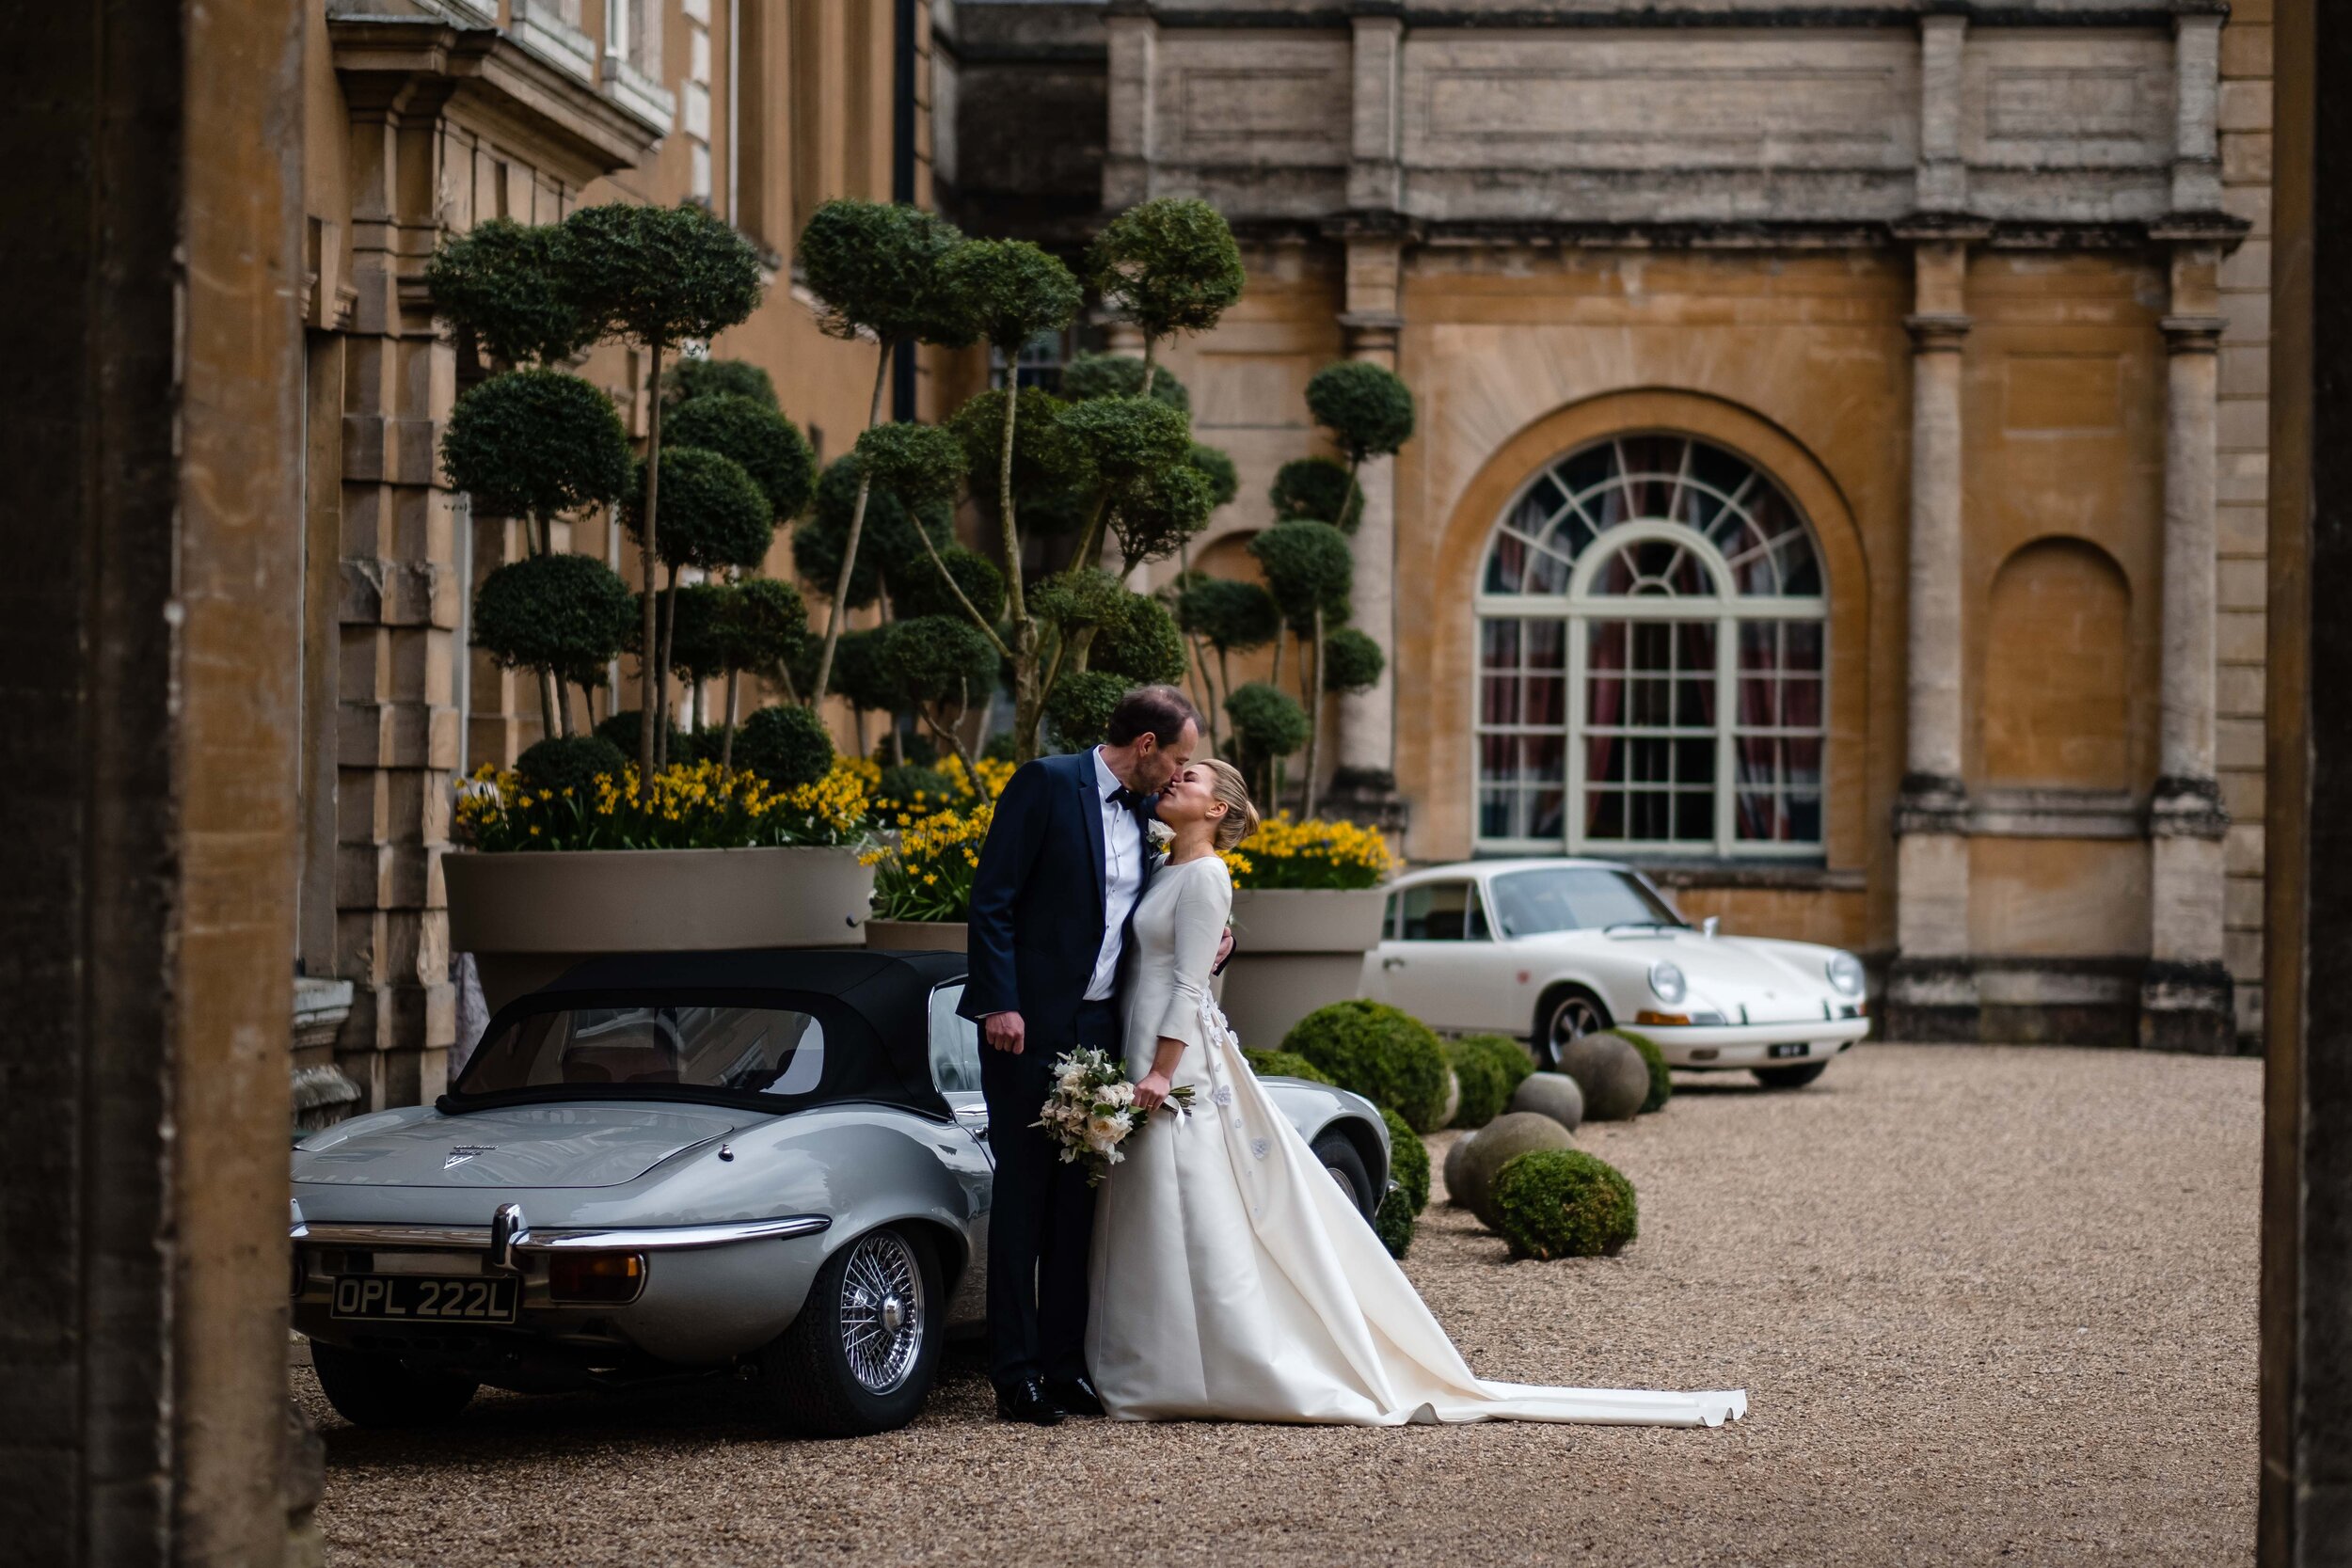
(1662, 1081)
(1283, 1064)
(1394, 1224)
(1383, 1054)
(1563, 1203)
(1408, 1160)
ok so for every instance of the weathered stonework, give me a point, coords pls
(1958, 278)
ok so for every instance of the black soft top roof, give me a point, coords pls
(878, 1002)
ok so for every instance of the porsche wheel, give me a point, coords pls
(860, 1357)
(1345, 1165)
(371, 1390)
(1788, 1077)
(1573, 1013)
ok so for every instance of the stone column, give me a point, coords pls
(2185, 996)
(1932, 988)
(1367, 719)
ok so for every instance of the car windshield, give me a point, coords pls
(1575, 899)
(772, 1051)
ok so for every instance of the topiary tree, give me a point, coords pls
(1168, 266)
(786, 746)
(1081, 706)
(1485, 1088)
(655, 277)
(1352, 663)
(877, 268)
(570, 764)
(1140, 643)
(1230, 616)
(1311, 572)
(944, 664)
(1368, 411)
(862, 678)
(1156, 515)
(1283, 1064)
(690, 379)
(566, 616)
(1408, 1160)
(620, 727)
(1051, 475)
(763, 626)
(1382, 1052)
(756, 435)
(1268, 726)
(501, 283)
(957, 581)
(535, 443)
(1316, 490)
(894, 548)
(1119, 375)
(1563, 1203)
(717, 519)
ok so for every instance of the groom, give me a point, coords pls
(1066, 862)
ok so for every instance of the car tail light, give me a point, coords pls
(1646, 1016)
(602, 1276)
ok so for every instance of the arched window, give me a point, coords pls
(1627, 589)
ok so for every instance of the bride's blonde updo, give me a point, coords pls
(1241, 818)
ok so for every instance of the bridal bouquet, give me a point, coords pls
(1092, 1110)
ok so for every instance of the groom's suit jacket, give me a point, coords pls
(1039, 895)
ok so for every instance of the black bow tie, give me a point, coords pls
(1124, 798)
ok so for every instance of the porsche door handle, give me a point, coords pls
(1392, 963)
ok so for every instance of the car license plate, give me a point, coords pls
(421, 1298)
(1795, 1048)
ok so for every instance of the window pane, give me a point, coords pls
(1436, 912)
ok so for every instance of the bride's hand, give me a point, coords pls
(1151, 1090)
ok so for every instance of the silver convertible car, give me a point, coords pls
(769, 1165)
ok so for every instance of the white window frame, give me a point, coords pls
(1580, 607)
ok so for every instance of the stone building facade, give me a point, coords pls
(1839, 476)
(419, 119)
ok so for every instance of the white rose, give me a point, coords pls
(1106, 1130)
(1120, 1093)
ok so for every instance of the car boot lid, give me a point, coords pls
(523, 1145)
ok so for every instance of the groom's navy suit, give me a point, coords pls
(1036, 934)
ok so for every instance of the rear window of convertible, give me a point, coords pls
(741, 1049)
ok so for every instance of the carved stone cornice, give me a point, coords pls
(2187, 808)
(2192, 334)
(1931, 803)
(1938, 332)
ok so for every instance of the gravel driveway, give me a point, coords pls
(1989, 1304)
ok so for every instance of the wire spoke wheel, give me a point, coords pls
(882, 1311)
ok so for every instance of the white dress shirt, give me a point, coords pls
(1122, 877)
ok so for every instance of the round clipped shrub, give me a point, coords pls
(1610, 1072)
(1394, 1224)
(1126, 438)
(496, 280)
(770, 447)
(1119, 375)
(924, 592)
(1509, 1057)
(1382, 1052)
(1550, 1094)
(1408, 1160)
(1215, 465)
(1456, 1161)
(1080, 706)
(1352, 661)
(941, 659)
(688, 379)
(565, 612)
(1486, 1089)
(572, 762)
(1157, 512)
(711, 514)
(875, 267)
(920, 464)
(1661, 1078)
(1563, 1203)
(889, 548)
(785, 746)
(1494, 1145)
(1141, 642)
(534, 443)
(1367, 407)
(1283, 1064)
(1318, 490)
(1168, 265)
(620, 729)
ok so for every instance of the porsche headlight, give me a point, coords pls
(1844, 973)
(1667, 982)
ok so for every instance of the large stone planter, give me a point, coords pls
(528, 917)
(918, 936)
(1294, 951)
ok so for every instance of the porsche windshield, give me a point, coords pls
(743, 1049)
(1575, 899)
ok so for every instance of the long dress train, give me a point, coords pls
(1233, 1280)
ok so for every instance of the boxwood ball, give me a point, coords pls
(1550, 1094)
(1498, 1143)
(1564, 1204)
(1612, 1073)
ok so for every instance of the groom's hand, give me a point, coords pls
(1005, 1031)
(1224, 951)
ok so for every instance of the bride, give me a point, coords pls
(1232, 1279)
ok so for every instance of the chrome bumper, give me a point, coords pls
(521, 1238)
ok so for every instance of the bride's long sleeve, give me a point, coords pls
(1201, 905)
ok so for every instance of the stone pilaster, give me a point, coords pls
(1932, 986)
(1375, 172)
(1367, 726)
(1133, 36)
(2186, 1000)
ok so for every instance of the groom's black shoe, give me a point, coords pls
(1076, 1396)
(1026, 1401)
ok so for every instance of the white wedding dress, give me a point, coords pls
(1232, 1279)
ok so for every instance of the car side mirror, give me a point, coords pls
(1707, 926)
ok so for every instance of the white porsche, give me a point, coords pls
(1547, 950)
